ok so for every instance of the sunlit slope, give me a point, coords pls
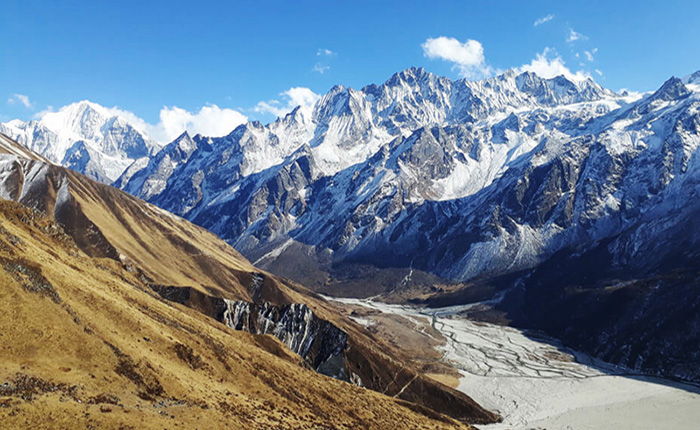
(86, 343)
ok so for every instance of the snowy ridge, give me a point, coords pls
(347, 126)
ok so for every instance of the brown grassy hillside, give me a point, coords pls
(86, 344)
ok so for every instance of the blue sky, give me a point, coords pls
(146, 56)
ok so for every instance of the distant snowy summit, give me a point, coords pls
(85, 137)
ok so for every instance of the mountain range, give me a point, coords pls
(544, 193)
(459, 179)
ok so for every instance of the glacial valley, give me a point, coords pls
(533, 381)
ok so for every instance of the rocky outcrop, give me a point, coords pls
(347, 355)
(318, 342)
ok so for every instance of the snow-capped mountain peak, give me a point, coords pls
(693, 78)
(86, 137)
(672, 89)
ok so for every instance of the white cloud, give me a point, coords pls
(599, 72)
(325, 53)
(321, 68)
(271, 106)
(574, 36)
(41, 113)
(549, 64)
(468, 57)
(211, 121)
(631, 94)
(543, 20)
(21, 99)
(293, 97)
(589, 54)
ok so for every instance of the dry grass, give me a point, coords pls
(111, 354)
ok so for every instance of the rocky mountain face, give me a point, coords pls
(467, 181)
(342, 180)
(319, 342)
(181, 273)
(85, 137)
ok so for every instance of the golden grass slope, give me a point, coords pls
(84, 343)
